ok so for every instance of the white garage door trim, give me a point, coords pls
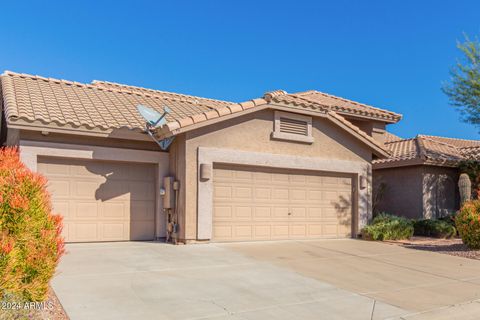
(208, 156)
(31, 150)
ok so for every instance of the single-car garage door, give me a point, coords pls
(102, 201)
(253, 203)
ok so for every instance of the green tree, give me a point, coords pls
(463, 89)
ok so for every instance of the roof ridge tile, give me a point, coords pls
(128, 87)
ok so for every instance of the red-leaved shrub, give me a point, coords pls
(30, 235)
(467, 222)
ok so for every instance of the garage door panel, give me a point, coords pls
(59, 206)
(53, 169)
(85, 189)
(141, 190)
(142, 230)
(263, 193)
(224, 192)
(298, 231)
(262, 231)
(114, 231)
(115, 210)
(262, 212)
(110, 190)
(315, 230)
(102, 201)
(280, 231)
(315, 213)
(298, 213)
(222, 231)
(86, 210)
(141, 210)
(243, 231)
(242, 192)
(243, 213)
(280, 194)
(262, 177)
(283, 205)
(59, 188)
(222, 212)
(83, 231)
(298, 194)
(280, 212)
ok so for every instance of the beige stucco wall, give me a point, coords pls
(403, 195)
(252, 133)
(441, 194)
(418, 191)
(375, 129)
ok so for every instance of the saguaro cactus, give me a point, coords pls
(465, 187)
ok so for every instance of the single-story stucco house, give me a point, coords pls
(420, 178)
(283, 166)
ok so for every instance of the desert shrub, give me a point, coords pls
(467, 222)
(388, 227)
(30, 240)
(434, 228)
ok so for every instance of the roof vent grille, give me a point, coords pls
(293, 126)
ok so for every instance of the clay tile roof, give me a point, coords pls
(471, 152)
(348, 107)
(390, 137)
(99, 106)
(430, 150)
(104, 106)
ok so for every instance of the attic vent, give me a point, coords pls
(293, 126)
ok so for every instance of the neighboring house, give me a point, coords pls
(284, 166)
(420, 177)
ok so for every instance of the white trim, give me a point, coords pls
(216, 155)
(31, 150)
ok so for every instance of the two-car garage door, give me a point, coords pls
(253, 203)
(102, 201)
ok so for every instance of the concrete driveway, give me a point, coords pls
(327, 279)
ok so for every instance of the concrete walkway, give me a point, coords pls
(328, 279)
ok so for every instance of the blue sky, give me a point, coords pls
(390, 54)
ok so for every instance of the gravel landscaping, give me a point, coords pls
(453, 247)
(53, 311)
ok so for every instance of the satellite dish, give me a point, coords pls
(153, 117)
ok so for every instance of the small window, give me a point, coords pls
(292, 126)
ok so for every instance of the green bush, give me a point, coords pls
(30, 240)
(467, 222)
(434, 228)
(388, 227)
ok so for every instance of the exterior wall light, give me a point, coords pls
(363, 182)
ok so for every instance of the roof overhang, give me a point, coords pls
(172, 129)
(413, 162)
(40, 126)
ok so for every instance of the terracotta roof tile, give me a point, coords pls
(348, 107)
(212, 114)
(431, 150)
(102, 106)
(106, 105)
(472, 152)
(224, 111)
(390, 137)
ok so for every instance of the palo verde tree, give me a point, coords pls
(463, 89)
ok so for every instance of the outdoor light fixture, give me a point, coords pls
(153, 120)
(363, 182)
(205, 171)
